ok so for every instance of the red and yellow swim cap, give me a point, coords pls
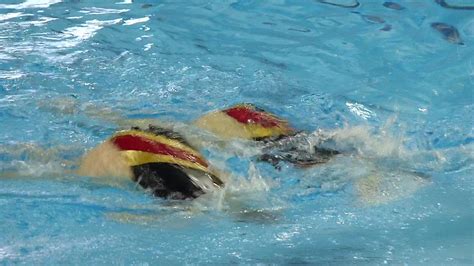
(244, 121)
(163, 161)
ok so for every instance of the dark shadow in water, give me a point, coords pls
(373, 19)
(299, 30)
(268, 23)
(393, 5)
(387, 27)
(450, 33)
(444, 4)
(202, 47)
(354, 4)
(267, 61)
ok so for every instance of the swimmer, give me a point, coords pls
(157, 159)
(164, 162)
(277, 140)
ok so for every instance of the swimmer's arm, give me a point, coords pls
(71, 106)
(29, 160)
(382, 186)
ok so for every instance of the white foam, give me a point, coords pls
(8, 16)
(369, 142)
(31, 4)
(75, 35)
(102, 11)
(360, 110)
(15, 74)
(129, 22)
(125, 2)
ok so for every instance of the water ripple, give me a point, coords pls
(31, 4)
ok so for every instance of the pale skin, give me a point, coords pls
(104, 160)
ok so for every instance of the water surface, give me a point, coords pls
(388, 79)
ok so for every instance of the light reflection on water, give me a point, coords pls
(31, 4)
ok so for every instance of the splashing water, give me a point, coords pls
(375, 81)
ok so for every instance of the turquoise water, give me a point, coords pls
(396, 94)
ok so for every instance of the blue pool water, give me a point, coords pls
(395, 92)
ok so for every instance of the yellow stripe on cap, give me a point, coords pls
(135, 158)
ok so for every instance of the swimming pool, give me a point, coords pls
(391, 84)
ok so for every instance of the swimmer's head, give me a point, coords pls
(280, 141)
(163, 161)
(244, 121)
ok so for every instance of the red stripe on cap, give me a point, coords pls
(246, 115)
(138, 143)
